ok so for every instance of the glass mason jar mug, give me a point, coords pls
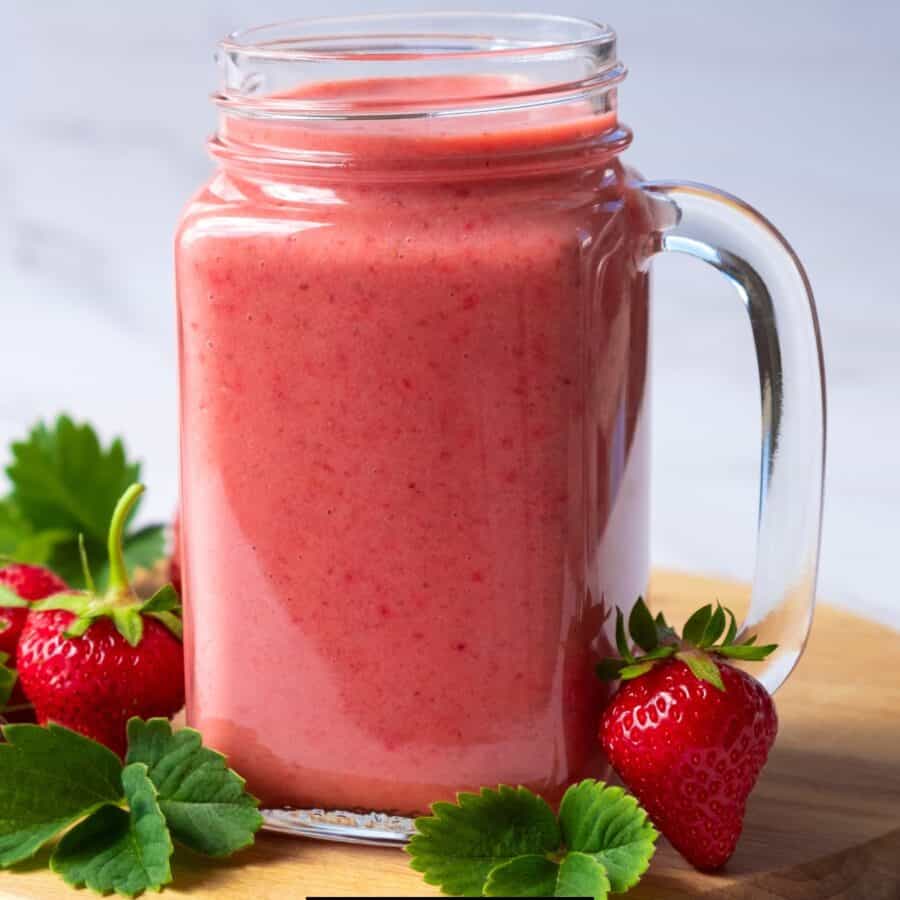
(413, 310)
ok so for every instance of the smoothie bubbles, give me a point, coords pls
(413, 316)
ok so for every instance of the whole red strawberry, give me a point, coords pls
(27, 583)
(687, 732)
(90, 661)
(95, 682)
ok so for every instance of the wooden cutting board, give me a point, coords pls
(824, 821)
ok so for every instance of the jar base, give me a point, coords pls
(373, 828)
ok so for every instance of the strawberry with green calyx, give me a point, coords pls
(687, 732)
(91, 660)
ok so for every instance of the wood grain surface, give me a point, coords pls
(824, 821)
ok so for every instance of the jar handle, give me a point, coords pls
(735, 239)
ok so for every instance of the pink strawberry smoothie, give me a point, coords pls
(414, 455)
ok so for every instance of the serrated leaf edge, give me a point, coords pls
(632, 815)
(443, 812)
(215, 757)
(156, 888)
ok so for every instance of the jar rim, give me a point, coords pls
(305, 39)
(532, 59)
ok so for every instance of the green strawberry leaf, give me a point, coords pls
(164, 600)
(702, 666)
(117, 850)
(49, 778)
(714, 627)
(8, 679)
(77, 627)
(65, 482)
(171, 621)
(19, 540)
(38, 548)
(642, 627)
(622, 639)
(78, 602)
(731, 634)
(627, 673)
(746, 652)
(129, 624)
(533, 875)
(458, 845)
(63, 478)
(578, 875)
(663, 652)
(204, 802)
(14, 528)
(695, 627)
(581, 875)
(609, 825)
(10, 599)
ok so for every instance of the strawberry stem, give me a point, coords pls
(118, 572)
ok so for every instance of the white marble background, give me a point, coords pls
(792, 106)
